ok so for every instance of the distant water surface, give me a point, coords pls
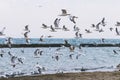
(73, 41)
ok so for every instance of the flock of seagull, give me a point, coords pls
(38, 52)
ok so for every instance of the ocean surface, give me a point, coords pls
(74, 41)
(58, 59)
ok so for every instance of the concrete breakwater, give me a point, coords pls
(57, 45)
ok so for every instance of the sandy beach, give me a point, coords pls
(72, 76)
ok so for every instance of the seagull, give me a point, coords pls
(80, 47)
(93, 25)
(39, 68)
(76, 28)
(2, 31)
(44, 26)
(1, 53)
(26, 37)
(64, 28)
(52, 29)
(9, 42)
(49, 36)
(66, 42)
(117, 23)
(115, 52)
(103, 40)
(72, 19)
(64, 12)
(26, 28)
(57, 57)
(10, 54)
(78, 56)
(56, 23)
(20, 60)
(76, 34)
(116, 29)
(27, 40)
(103, 22)
(41, 38)
(13, 58)
(38, 51)
(72, 48)
(26, 34)
(88, 31)
(80, 35)
(71, 56)
(98, 26)
(101, 30)
(111, 28)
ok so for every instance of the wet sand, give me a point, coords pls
(72, 76)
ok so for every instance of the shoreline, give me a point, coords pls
(115, 75)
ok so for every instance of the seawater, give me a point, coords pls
(93, 58)
(74, 41)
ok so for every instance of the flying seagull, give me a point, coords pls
(76, 34)
(44, 26)
(93, 25)
(76, 28)
(41, 38)
(2, 31)
(72, 19)
(52, 29)
(88, 31)
(103, 22)
(26, 28)
(116, 29)
(9, 42)
(98, 26)
(26, 37)
(64, 12)
(56, 23)
(64, 28)
(117, 23)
